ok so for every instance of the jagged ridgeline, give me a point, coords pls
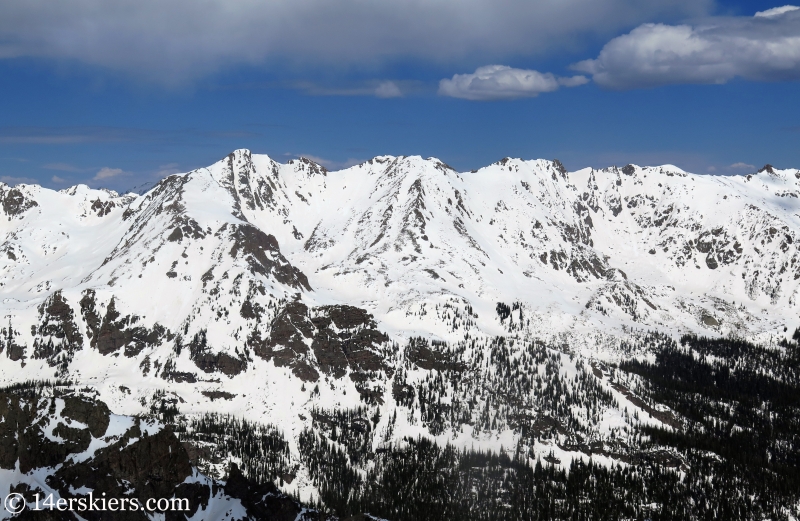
(408, 341)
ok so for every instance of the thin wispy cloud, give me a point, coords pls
(78, 135)
(500, 82)
(12, 180)
(167, 170)
(764, 47)
(742, 166)
(370, 88)
(69, 135)
(63, 167)
(330, 164)
(107, 173)
(388, 89)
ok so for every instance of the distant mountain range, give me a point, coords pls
(284, 293)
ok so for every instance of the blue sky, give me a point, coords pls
(122, 95)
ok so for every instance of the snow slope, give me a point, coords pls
(255, 287)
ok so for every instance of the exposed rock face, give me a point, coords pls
(264, 256)
(49, 430)
(15, 202)
(8, 343)
(115, 332)
(622, 295)
(287, 343)
(427, 356)
(154, 465)
(20, 439)
(347, 336)
(264, 501)
(209, 362)
(331, 338)
(57, 337)
(92, 413)
(185, 227)
(29, 411)
(102, 208)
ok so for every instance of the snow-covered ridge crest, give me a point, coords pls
(250, 262)
(392, 224)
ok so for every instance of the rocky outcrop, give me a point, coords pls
(327, 339)
(264, 256)
(184, 226)
(208, 361)
(8, 343)
(57, 337)
(48, 429)
(115, 332)
(434, 355)
(264, 501)
(347, 336)
(287, 343)
(153, 465)
(15, 202)
(102, 208)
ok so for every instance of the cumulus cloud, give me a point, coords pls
(107, 173)
(763, 47)
(500, 82)
(184, 39)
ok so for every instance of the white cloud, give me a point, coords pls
(178, 40)
(573, 81)
(10, 180)
(68, 135)
(377, 88)
(107, 173)
(777, 11)
(764, 47)
(500, 82)
(167, 170)
(742, 166)
(58, 180)
(388, 89)
(63, 167)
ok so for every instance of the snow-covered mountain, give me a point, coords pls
(276, 290)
